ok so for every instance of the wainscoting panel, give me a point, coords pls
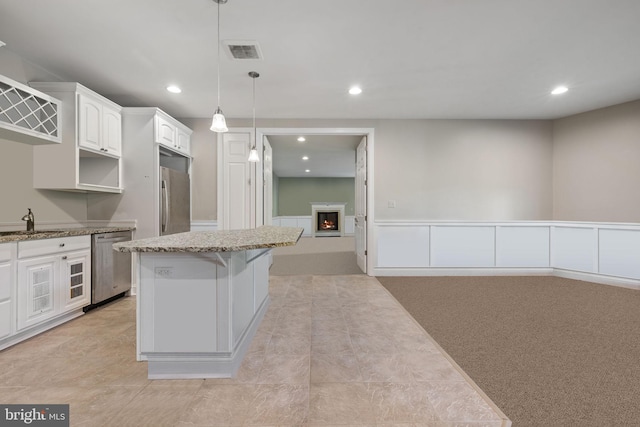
(471, 246)
(401, 246)
(606, 253)
(518, 246)
(619, 253)
(574, 248)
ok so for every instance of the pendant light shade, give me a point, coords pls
(253, 154)
(218, 124)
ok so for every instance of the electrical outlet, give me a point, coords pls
(164, 272)
(391, 204)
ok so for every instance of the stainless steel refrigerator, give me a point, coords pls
(175, 201)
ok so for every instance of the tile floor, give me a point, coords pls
(331, 351)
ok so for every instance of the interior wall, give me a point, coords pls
(16, 165)
(295, 195)
(595, 165)
(204, 181)
(452, 169)
(463, 170)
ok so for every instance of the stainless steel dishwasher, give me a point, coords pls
(110, 270)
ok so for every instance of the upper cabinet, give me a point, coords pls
(88, 159)
(27, 115)
(171, 133)
(100, 126)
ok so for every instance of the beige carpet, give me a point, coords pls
(317, 256)
(548, 351)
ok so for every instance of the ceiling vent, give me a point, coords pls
(243, 49)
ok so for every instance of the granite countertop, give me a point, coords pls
(15, 236)
(216, 241)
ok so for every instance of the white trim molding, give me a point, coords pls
(607, 253)
(202, 225)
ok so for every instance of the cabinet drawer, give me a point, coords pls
(5, 281)
(7, 251)
(52, 246)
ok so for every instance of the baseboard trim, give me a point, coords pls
(442, 271)
(598, 278)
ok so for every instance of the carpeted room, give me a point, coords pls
(546, 350)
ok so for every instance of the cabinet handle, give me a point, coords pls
(62, 245)
(64, 257)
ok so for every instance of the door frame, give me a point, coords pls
(368, 132)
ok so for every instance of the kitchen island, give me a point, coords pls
(201, 297)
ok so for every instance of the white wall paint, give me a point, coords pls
(204, 203)
(596, 173)
(463, 169)
(450, 169)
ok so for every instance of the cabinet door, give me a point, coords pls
(6, 324)
(5, 319)
(183, 141)
(89, 123)
(112, 131)
(75, 280)
(165, 132)
(36, 290)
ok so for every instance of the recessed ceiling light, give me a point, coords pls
(305, 157)
(301, 139)
(307, 170)
(559, 90)
(174, 89)
(2, 43)
(355, 90)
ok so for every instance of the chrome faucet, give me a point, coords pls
(30, 220)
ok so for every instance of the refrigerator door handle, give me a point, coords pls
(165, 206)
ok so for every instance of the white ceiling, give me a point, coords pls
(413, 58)
(329, 155)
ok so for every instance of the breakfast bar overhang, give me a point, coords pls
(201, 296)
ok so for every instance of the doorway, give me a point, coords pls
(364, 184)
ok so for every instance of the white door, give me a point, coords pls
(235, 182)
(361, 205)
(268, 181)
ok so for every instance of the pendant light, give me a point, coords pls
(253, 154)
(219, 124)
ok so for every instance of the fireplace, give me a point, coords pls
(327, 219)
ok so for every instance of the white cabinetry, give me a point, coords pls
(7, 280)
(100, 126)
(149, 143)
(53, 278)
(88, 159)
(171, 133)
(198, 312)
(27, 115)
